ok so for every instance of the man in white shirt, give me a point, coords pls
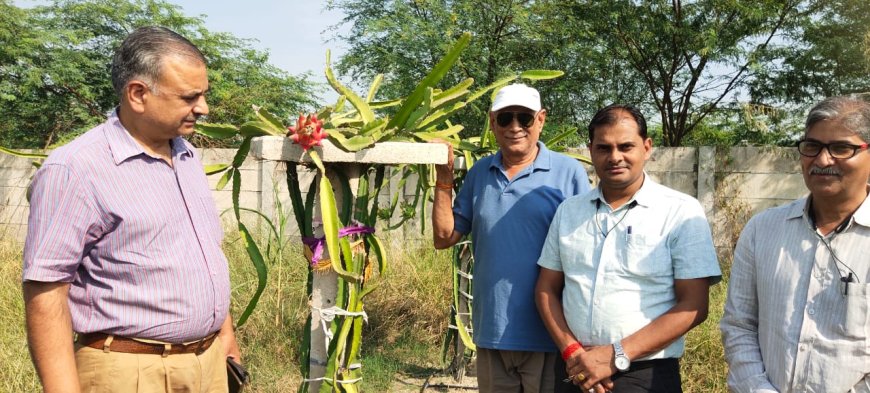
(796, 318)
(625, 270)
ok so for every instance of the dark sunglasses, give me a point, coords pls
(526, 119)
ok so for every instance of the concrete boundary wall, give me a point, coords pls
(731, 184)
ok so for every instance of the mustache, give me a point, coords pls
(814, 170)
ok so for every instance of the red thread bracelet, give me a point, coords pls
(569, 350)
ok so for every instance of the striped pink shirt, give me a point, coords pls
(138, 240)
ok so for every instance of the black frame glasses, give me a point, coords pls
(526, 119)
(839, 150)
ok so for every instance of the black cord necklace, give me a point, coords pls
(598, 225)
(811, 219)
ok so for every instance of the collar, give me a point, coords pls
(123, 146)
(542, 161)
(646, 196)
(860, 217)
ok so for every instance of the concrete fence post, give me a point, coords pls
(707, 179)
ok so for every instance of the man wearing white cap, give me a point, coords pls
(506, 203)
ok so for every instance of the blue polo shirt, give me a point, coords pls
(508, 221)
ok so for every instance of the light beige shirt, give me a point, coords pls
(789, 325)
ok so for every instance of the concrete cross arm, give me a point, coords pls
(283, 149)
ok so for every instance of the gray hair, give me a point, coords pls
(141, 54)
(852, 110)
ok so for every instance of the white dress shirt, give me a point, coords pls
(620, 265)
(789, 323)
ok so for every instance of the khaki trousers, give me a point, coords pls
(515, 371)
(117, 372)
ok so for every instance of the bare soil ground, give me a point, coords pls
(434, 383)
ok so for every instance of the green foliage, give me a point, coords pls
(826, 54)
(691, 56)
(747, 125)
(402, 40)
(681, 61)
(55, 59)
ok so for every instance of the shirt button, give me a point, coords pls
(595, 301)
(812, 312)
(802, 347)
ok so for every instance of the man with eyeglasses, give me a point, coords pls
(625, 269)
(506, 203)
(796, 317)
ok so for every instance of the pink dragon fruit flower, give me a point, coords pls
(307, 132)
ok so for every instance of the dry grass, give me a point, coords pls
(407, 317)
(703, 364)
(16, 372)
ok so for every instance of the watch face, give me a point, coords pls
(622, 363)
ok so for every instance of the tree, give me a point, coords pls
(402, 39)
(684, 61)
(691, 56)
(55, 59)
(821, 56)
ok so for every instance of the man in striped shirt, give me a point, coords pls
(123, 242)
(796, 318)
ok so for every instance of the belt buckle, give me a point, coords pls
(199, 348)
(200, 345)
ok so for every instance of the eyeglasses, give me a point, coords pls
(525, 119)
(840, 150)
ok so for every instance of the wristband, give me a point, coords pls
(443, 186)
(569, 350)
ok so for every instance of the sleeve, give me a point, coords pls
(464, 203)
(61, 225)
(551, 254)
(739, 324)
(691, 245)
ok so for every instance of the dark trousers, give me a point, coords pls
(654, 376)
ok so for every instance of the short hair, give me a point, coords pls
(852, 110)
(609, 115)
(141, 55)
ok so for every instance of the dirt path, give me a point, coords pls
(435, 383)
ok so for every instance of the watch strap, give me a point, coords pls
(619, 357)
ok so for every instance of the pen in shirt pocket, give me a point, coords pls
(628, 235)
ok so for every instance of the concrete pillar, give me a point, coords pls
(324, 286)
(707, 180)
(266, 172)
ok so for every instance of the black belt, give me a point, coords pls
(643, 364)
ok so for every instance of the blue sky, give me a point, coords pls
(294, 32)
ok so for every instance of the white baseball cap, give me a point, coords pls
(517, 95)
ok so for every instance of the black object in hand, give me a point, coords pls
(237, 376)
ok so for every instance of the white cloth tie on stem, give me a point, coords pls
(327, 315)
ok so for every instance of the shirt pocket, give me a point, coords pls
(647, 256)
(854, 324)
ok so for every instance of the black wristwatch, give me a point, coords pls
(621, 361)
